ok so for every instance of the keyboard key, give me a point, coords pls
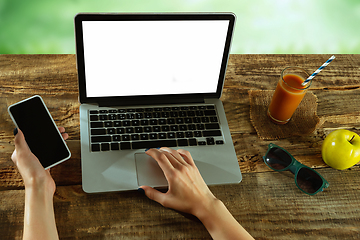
(121, 116)
(144, 122)
(96, 124)
(115, 146)
(156, 129)
(197, 134)
(200, 126)
(144, 136)
(126, 123)
(125, 137)
(111, 131)
(147, 129)
(94, 118)
(100, 131)
(192, 142)
(192, 127)
(129, 130)
(201, 143)
(117, 124)
(171, 121)
(139, 115)
(211, 133)
(108, 124)
(212, 126)
(219, 142)
(135, 123)
(179, 121)
(174, 128)
(95, 147)
(103, 117)
(165, 128)
(213, 119)
(153, 122)
(130, 116)
(120, 130)
(183, 128)
(162, 121)
(180, 135)
(162, 135)
(105, 146)
(94, 111)
(205, 119)
(153, 135)
(154, 144)
(189, 134)
(210, 141)
(138, 129)
(125, 145)
(116, 138)
(98, 139)
(182, 142)
(135, 137)
(112, 117)
(210, 113)
(157, 115)
(171, 135)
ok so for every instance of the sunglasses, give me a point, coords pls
(306, 179)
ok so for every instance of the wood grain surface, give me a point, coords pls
(268, 204)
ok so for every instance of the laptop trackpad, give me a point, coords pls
(148, 171)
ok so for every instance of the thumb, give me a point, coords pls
(20, 142)
(153, 194)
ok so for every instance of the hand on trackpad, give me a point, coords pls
(148, 171)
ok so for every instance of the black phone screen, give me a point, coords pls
(41, 134)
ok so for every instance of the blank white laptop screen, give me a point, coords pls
(128, 58)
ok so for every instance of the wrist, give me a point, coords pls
(210, 210)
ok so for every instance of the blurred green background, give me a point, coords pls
(263, 26)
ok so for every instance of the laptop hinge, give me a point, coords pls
(153, 101)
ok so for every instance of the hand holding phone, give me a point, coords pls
(33, 118)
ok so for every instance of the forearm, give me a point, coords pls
(221, 224)
(39, 218)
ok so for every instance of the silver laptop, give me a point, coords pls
(148, 81)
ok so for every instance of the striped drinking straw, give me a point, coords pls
(318, 70)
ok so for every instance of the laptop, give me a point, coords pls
(152, 80)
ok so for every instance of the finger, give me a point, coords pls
(175, 154)
(154, 194)
(61, 129)
(65, 136)
(161, 159)
(186, 156)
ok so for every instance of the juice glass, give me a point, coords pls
(288, 94)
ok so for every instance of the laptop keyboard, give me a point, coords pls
(137, 128)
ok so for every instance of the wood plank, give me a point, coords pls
(268, 205)
(262, 71)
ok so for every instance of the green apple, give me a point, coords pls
(341, 149)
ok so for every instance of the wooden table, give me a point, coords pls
(268, 204)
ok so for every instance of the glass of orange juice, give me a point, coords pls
(288, 94)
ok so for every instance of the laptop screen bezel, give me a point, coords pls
(146, 99)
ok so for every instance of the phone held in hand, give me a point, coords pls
(43, 137)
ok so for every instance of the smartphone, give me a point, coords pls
(42, 135)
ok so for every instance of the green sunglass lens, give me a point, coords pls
(278, 159)
(308, 180)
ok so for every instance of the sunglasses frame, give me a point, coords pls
(295, 167)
